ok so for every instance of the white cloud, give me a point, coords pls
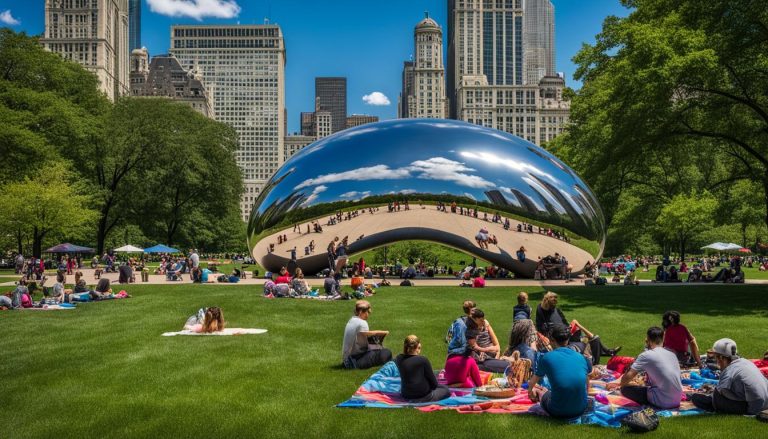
(377, 172)
(376, 98)
(197, 9)
(313, 196)
(407, 191)
(355, 195)
(7, 18)
(440, 168)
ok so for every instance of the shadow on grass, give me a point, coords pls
(726, 300)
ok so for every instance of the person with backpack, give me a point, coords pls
(19, 292)
(460, 367)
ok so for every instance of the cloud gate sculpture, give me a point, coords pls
(479, 190)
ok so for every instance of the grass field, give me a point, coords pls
(103, 370)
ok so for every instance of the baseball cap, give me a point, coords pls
(725, 347)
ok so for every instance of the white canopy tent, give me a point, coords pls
(134, 249)
(722, 246)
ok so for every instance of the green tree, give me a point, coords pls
(685, 216)
(193, 182)
(676, 84)
(743, 207)
(50, 204)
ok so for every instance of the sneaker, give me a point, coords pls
(615, 351)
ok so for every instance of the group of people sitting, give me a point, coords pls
(285, 285)
(566, 354)
(22, 295)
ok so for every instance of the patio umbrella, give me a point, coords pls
(129, 249)
(720, 246)
(69, 248)
(745, 250)
(160, 248)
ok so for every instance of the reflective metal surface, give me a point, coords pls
(426, 162)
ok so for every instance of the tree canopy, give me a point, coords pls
(673, 103)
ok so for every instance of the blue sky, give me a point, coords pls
(364, 40)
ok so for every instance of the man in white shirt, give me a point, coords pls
(356, 353)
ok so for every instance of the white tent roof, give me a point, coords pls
(722, 246)
(134, 249)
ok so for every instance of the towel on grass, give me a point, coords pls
(51, 307)
(382, 390)
(227, 331)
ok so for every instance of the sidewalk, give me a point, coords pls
(157, 279)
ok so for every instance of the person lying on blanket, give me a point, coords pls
(567, 371)
(356, 352)
(418, 382)
(742, 389)
(207, 320)
(662, 372)
(549, 316)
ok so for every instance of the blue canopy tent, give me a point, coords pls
(69, 248)
(160, 248)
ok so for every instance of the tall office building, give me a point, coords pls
(164, 77)
(93, 33)
(406, 90)
(501, 68)
(134, 25)
(243, 67)
(331, 96)
(324, 124)
(427, 96)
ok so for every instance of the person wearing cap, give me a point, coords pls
(355, 350)
(664, 387)
(742, 389)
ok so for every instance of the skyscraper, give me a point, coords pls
(243, 67)
(406, 90)
(501, 68)
(331, 96)
(134, 25)
(427, 85)
(354, 120)
(94, 34)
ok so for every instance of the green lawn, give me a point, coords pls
(104, 371)
(750, 273)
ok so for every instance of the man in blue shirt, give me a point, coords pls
(567, 372)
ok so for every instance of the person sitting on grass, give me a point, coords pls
(549, 317)
(355, 352)
(741, 390)
(299, 284)
(284, 277)
(522, 338)
(631, 278)
(207, 320)
(663, 387)
(57, 293)
(483, 344)
(522, 310)
(567, 371)
(19, 292)
(418, 382)
(103, 290)
(460, 368)
(331, 284)
(679, 340)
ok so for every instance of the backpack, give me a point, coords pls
(642, 421)
(406, 283)
(26, 301)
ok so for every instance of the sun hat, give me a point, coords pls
(725, 347)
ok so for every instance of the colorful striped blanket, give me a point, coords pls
(382, 390)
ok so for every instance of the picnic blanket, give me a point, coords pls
(382, 390)
(51, 307)
(227, 331)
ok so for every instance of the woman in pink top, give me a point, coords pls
(461, 371)
(679, 340)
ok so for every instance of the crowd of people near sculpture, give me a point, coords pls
(568, 355)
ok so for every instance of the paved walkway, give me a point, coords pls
(155, 279)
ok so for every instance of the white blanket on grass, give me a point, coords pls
(226, 331)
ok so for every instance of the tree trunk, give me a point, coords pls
(19, 245)
(683, 241)
(37, 243)
(743, 235)
(765, 195)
